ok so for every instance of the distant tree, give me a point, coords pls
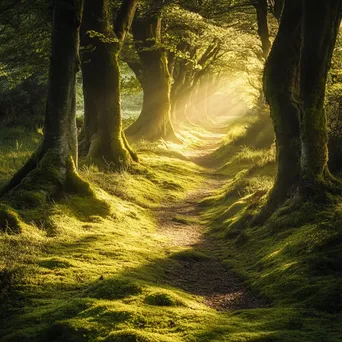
(154, 121)
(51, 170)
(261, 7)
(194, 48)
(104, 141)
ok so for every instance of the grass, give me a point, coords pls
(17, 144)
(93, 271)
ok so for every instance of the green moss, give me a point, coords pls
(162, 299)
(128, 336)
(54, 263)
(23, 199)
(69, 331)
(89, 209)
(48, 181)
(75, 184)
(113, 289)
(9, 220)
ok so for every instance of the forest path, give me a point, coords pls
(198, 270)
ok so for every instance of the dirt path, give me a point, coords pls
(205, 276)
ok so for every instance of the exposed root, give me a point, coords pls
(117, 156)
(52, 177)
(133, 154)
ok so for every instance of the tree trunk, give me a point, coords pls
(154, 121)
(52, 168)
(263, 31)
(89, 79)
(278, 9)
(281, 78)
(105, 142)
(320, 27)
(183, 82)
(200, 108)
(181, 101)
(137, 70)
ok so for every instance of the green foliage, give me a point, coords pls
(23, 104)
(25, 41)
(101, 37)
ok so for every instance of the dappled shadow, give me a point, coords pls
(86, 208)
(198, 269)
(220, 287)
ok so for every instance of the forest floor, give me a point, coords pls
(164, 252)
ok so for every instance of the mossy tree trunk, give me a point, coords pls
(105, 142)
(154, 121)
(200, 114)
(51, 170)
(186, 80)
(321, 22)
(281, 87)
(261, 7)
(179, 76)
(181, 98)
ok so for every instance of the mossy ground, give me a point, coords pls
(93, 270)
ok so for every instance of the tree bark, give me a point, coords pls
(263, 31)
(180, 96)
(321, 22)
(89, 79)
(52, 168)
(137, 69)
(154, 121)
(105, 142)
(281, 87)
(183, 75)
(277, 8)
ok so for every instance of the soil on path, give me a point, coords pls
(209, 277)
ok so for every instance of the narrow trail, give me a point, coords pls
(204, 275)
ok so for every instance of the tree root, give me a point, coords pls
(52, 177)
